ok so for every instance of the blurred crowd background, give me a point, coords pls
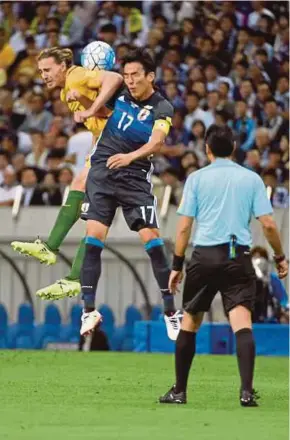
(224, 62)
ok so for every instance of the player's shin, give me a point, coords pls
(246, 357)
(68, 215)
(78, 262)
(184, 354)
(155, 250)
(91, 271)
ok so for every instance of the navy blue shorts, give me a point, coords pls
(106, 190)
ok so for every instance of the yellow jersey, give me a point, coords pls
(87, 82)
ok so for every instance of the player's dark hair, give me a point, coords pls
(6, 154)
(261, 251)
(109, 27)
(141, 56)
(220, 140)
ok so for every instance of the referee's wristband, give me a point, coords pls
(177, 263)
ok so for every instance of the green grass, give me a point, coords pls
(67, 396)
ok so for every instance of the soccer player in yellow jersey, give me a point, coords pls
(80, 89)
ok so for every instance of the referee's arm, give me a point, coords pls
(187, 211)
(262, 210)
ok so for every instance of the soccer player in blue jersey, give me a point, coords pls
(120, 176)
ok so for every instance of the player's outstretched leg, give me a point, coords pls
(184, 354)
(155, 249)
(70, 285)
(241, 323)
(90, 274)
(69, 213)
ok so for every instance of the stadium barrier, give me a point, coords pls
(212, 338)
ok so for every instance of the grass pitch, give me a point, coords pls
(112, 396)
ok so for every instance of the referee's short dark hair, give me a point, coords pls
(220, 140)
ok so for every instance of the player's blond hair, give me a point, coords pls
(60, 55)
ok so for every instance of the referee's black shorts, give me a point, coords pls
(210, 271)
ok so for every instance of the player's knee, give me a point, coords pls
(79, 182)
(191, 323)
(97, 230)
(147, 234)
(240, 317)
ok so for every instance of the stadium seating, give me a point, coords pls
(271, 339)
(21, 335)
(50, 330)
(135, 335)
(71, 332)
(3, 327)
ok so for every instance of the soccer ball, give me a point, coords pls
(98, 55)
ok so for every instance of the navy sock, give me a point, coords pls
(91, 271)
(246, 357)
(155, 250)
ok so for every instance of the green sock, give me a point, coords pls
(75, 271)
(68, 215)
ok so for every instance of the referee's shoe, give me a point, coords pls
(173, 397)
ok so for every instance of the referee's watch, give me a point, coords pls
(279, 258)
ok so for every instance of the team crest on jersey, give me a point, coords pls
(143, 114)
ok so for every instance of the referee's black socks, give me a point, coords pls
(155, 250)
(246, 357)
(184, 353)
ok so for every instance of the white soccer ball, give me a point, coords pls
(98, 56)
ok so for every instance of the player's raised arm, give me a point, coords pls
(108, 83)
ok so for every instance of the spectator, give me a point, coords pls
(282, 95)
(32, 195)
(108, 34)
(51, 194)
(244, 127)
(196, 143)
(135, 24)
(55, 159)
(37, 158)
(170, 177)
(228, 23)
(18, 162)
(263, 94)
(107, 14)
(17, 40)
(52, 35)
(38, 118)
(194, 112)
(244, 43)
(259, 10)
(173, 95)
(263, 145)
(274, 121)
(71, 26)
(246, 93)
(8, 187)
(38, 24)
(253, 161)
(65, 177)
(271, 295)
(4, 162)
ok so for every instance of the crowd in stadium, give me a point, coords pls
(225, 62)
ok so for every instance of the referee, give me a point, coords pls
(222, 198)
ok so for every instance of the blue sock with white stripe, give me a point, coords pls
(91, 271)
(156, 251)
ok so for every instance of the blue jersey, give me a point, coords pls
(130, 127)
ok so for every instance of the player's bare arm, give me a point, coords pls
(152, 147)
(184, 227)
(272, 235)
(108, 83)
